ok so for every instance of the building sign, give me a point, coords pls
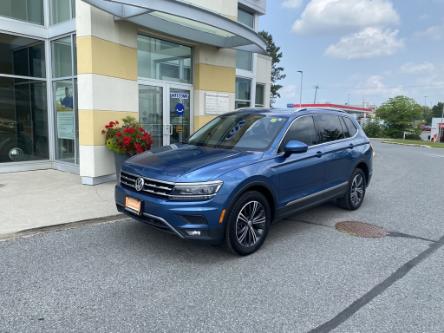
(65, 125)
(180, 95)
(180, 109)
(217, 103)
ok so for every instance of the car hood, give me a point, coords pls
(187, 163)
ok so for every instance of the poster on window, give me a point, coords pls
(65, 125)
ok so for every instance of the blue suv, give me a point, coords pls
(245, 169)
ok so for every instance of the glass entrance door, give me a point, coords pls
(151, 113)
(165, 112)
(179, 114)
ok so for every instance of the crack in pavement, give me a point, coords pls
(349, 311)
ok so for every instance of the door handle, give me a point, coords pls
(318, 154)
(351, 146)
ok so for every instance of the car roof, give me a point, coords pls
(293, 113)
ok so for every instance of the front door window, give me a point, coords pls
(179, 115)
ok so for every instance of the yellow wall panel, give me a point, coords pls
(98, 56)
(91, 123)
(215, 78)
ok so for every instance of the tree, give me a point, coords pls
(276, 71)
(400, 114)
(437, 110)
(374, 129)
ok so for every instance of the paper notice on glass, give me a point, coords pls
(217, 103)
(65, 125)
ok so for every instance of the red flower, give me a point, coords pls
(118, 134)
(129, 130)
(126, 140)
(139, 148)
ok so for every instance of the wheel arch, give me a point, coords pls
(364, 167)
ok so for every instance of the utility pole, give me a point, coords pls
(316, 93)
(302, 81)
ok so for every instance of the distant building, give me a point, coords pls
(437, 131)
(360, 113)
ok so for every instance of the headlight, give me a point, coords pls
(195, 191)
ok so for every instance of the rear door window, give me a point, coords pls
(350, 126)
(302, 129)
(329, 127)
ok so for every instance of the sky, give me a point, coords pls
(359, 51)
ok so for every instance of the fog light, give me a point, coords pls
(193, 233)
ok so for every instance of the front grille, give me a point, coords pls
(154, 187)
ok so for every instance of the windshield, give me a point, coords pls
(244, 131)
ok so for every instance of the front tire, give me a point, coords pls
(248, 223)
(354, 197)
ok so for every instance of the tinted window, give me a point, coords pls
(329, 127)
(350, 126)
(302, 129)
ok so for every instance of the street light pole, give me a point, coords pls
(316, 93)
(302, 81)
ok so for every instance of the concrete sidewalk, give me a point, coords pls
(43, 198)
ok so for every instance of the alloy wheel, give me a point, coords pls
(357, 190)
(250, 224)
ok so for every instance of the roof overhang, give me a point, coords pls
(183, 20)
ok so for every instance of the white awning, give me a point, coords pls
(183, 20)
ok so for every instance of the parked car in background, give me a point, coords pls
(245, 169)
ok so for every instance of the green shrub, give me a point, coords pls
(374, 130)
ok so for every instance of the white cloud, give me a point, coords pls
(375, 86)
(434, 32)
(368, 43)
(292, 3)
(421, 68)
(289, 93)
(332, 16)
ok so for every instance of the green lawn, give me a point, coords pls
(416, 142)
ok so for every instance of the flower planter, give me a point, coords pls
(118, 162)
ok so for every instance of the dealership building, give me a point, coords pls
(67, 67)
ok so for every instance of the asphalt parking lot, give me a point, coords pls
(126, 277)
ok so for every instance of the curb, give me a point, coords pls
(61, 227)
(407, 144)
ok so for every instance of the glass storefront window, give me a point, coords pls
(245, 18)
(65, 99)
(24, 10)
(244, 60)
(61, 10)
(65, 120)
(22, 56)
(162, 60)
(61, 57)
(23, 120)
(243, 92)
(260, 95)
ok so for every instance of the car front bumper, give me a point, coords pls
(196, 220)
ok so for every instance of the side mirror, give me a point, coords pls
(295, 147)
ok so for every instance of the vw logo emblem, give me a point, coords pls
(140, 182)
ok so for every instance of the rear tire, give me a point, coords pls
(355, 194)
(248, 223)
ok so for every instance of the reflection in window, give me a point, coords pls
(244, 60)
(330, 128)
(61, 10)
(260, 95)
(243, 92)
(61, 57)
(22, 56)
(23, 120)
(24, 10)
(162, 60)
(245, 18)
